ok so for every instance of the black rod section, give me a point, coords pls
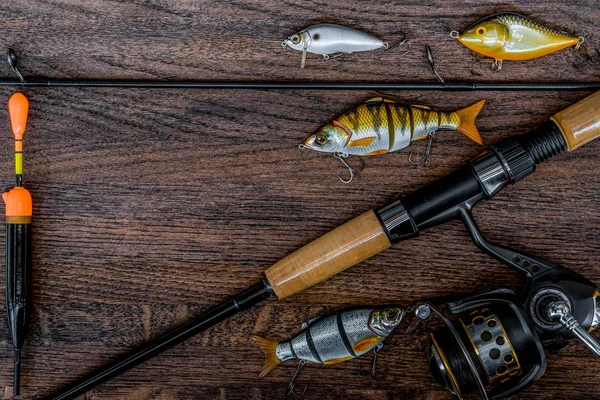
(265, 85)
(241, 302)
(18, 290)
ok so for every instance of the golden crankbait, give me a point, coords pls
(333, 339)
(511, 36)
(382, 125)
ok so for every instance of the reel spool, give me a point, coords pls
(491, 347)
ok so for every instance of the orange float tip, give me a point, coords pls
(18, 202)
(18, 107)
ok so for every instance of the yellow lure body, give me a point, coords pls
(510, 36)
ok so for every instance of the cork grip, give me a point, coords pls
(328, 255)
(580, 123)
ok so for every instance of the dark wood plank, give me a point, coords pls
(152, 205)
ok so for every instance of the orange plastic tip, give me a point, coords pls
(18, 107)
(18, 202)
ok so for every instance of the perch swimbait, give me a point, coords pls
(450, 198)
(328, 39)
(511, 36)
(333, 339)
(381, 126)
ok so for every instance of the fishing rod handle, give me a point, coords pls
(345, 246)
(580, 123)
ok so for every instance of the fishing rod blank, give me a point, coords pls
(441, 85)
(427, 86)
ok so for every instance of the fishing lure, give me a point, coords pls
(382, 125)
(328, 39)
(511, 36)
(333, 339)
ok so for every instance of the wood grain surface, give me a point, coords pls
(153, 205)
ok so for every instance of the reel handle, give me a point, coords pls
(559, 311)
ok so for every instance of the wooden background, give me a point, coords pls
(153, 205)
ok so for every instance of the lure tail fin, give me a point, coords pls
(271, 361)
(467, 121)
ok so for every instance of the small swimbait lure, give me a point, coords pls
(328, 39)
(382, 125)
(511, 36)
(333, 339)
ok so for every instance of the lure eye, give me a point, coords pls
(295, 39)
(392, 315)
(321, 138)
(481, 31)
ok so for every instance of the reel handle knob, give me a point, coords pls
(559, 311)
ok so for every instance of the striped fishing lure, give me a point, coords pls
(334, 338)
(381, 126)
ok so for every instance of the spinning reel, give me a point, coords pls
(496, 342)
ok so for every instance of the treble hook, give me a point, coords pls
(425, 158)
(12, 61)
(292, 383)
(496, 65)
(339, 56)
(584, 54)
(432, 63)
(371, 374)
(582, 50)
(342, 157)
(400, 42)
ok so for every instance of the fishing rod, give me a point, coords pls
(450, 198)
(441, 85)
